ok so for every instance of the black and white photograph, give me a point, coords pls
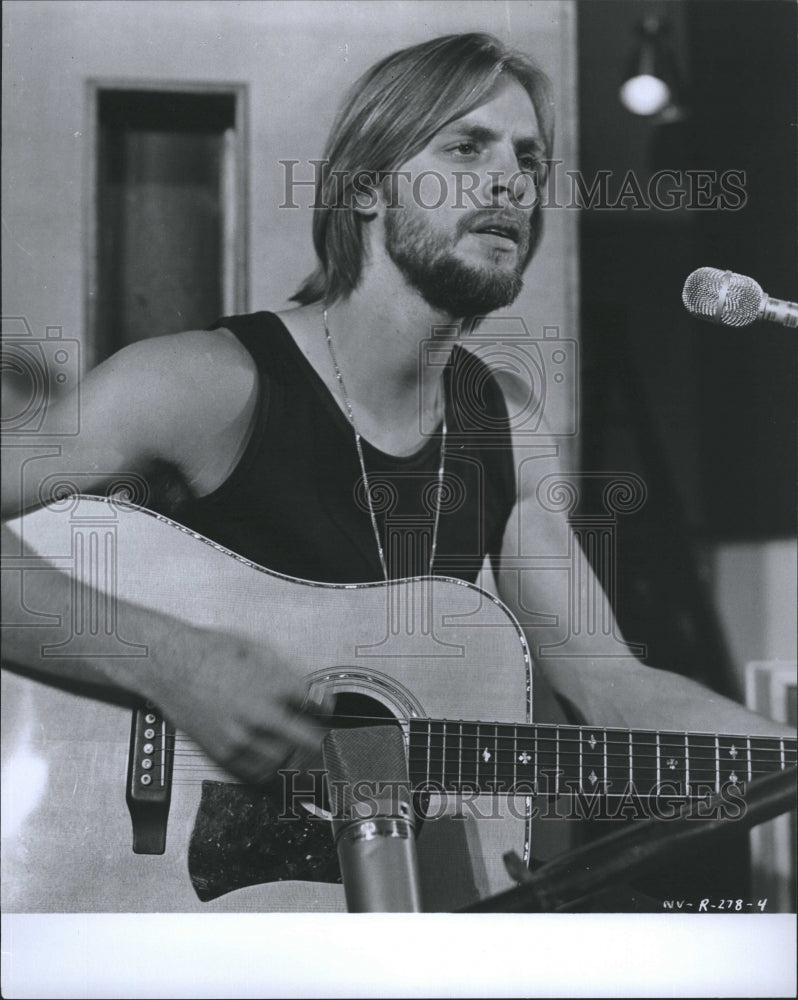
(399, 498)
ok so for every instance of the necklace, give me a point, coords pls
(439, 493)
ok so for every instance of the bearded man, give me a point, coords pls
(296, 439)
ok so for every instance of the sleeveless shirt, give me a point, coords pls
(295, 502)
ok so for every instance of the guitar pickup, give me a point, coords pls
(149, 779)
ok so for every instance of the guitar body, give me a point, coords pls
(413, 649)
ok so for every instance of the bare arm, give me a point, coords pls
(571, 630)
(183, 401)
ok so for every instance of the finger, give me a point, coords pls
(292, 725)
(258, 764)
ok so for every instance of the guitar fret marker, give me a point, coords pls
(672, 763)
(557, 762)
(733, 778)
(486, 755)
(686, 765)
(524, 757)
(631, 770)
(658, 761)
(592, 777)
(733, 751)
(429, 745)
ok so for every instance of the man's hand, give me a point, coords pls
(235, 699)
(238, 699)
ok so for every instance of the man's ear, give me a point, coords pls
(367, 194)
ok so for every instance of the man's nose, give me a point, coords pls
(507, 184)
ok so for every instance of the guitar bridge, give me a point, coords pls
(149, 779)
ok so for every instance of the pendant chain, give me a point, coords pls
(339, 376)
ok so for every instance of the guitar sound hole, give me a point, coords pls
(353, 709)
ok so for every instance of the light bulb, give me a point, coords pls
(645, 94)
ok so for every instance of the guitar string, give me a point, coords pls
(637, 754)
(202, 760)
(418, 776)
(541, 730)
(572, 744)
(503, 768)
(190, 760)
(617, 762)
(572, 755)
(639, 758)
(699, 756)
(674, 740)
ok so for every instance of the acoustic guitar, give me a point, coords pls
(107, 808)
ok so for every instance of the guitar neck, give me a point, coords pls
(555, 760)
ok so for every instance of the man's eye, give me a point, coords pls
(465, 149)
(530, 163)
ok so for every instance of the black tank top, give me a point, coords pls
(295, 501)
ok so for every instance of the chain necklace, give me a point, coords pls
(366, 484)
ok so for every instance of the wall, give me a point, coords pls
(297, 58)
(755, 587)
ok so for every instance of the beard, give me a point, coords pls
(445, 282)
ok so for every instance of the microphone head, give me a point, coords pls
(368, 761)
(722, 297)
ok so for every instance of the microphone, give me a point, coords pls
(734, 300)
(373, 822)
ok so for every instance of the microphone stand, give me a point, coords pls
(586, 871)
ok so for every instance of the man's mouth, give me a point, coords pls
(504, 230)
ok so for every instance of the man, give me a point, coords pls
(222, 422)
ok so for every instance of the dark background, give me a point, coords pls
(705, 414)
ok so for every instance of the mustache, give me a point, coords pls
(514, 223)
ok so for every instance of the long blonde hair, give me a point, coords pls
(390, 114)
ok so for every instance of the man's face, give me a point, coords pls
(466, 252)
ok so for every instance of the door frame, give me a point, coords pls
(234, 194)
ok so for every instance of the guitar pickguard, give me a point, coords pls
(241, 837)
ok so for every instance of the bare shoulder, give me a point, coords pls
(184, 401)
(536, 449)
(208, 367)
(529, 421)
(179, 381)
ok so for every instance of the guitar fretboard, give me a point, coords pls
(507, 759)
